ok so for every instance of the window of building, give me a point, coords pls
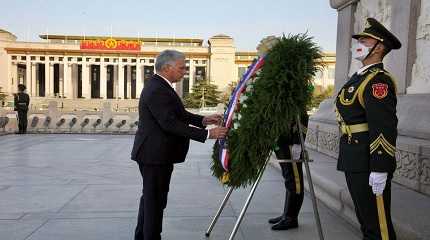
(79, 59)
(51, 58)
(196, 61)
(142, 60)
(124, 60)
(200, 73)
(60, 59)
(115, 60)
(133, 60)
(106, 59)
(151, 60)
(97, 59)
(14, 58)
(88, 59)
(69, 59)
(33, 58)
(23, 58)
(187, 61)
(42, 58)
(204, 61)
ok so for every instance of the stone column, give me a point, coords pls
(67, 79)
(86, 85)
(403, 25)
(51, 79)
(49, 70)
(103, 81)
(74, 80)
(61, 80)
(139, 80)
(34, 87)
(14, 78)
(345, 29)
(28, 80)
(420, 82)
(129, 81)
(120, 81)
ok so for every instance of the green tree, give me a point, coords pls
(203, 94)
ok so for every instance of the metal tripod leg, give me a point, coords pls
(218, 213)
(311, 186)
(248, 200)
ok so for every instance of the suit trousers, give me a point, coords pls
(138, 233)
(366, 207)
(156, 181)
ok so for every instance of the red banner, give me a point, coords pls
(111, 44)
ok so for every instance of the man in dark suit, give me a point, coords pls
(22, 101)
(163, 138)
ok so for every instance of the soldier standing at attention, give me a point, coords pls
(22, 101)
(366, 112)
(288, 147)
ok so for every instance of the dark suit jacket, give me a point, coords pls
(164, 131)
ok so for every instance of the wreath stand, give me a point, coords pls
(305, 160)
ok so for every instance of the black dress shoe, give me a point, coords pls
(275, 220)
(286, 224)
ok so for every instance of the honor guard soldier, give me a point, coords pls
(288, 147)
(366, 112)
(22, 101)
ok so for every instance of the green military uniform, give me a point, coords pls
(366, 112)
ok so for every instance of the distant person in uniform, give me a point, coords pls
(288, 147)
(366, 112)
(22, 101)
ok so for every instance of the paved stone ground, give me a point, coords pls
(64, 187)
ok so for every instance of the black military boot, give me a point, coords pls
(276, 219)
(286, 206)
(285, 224)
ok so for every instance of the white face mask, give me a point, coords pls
(359, 51)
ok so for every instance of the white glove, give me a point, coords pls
(377, 181)
(296, 151)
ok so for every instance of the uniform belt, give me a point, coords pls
(356, 128)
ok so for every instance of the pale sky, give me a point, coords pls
(246, 21)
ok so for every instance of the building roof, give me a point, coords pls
(222, 36)
(4, 31)
(142, 39)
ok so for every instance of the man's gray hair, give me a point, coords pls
(167, 57)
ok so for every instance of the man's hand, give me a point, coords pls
(215, 119)
(377, 181)
(218, 132)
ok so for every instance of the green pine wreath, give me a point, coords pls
(281, 89)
